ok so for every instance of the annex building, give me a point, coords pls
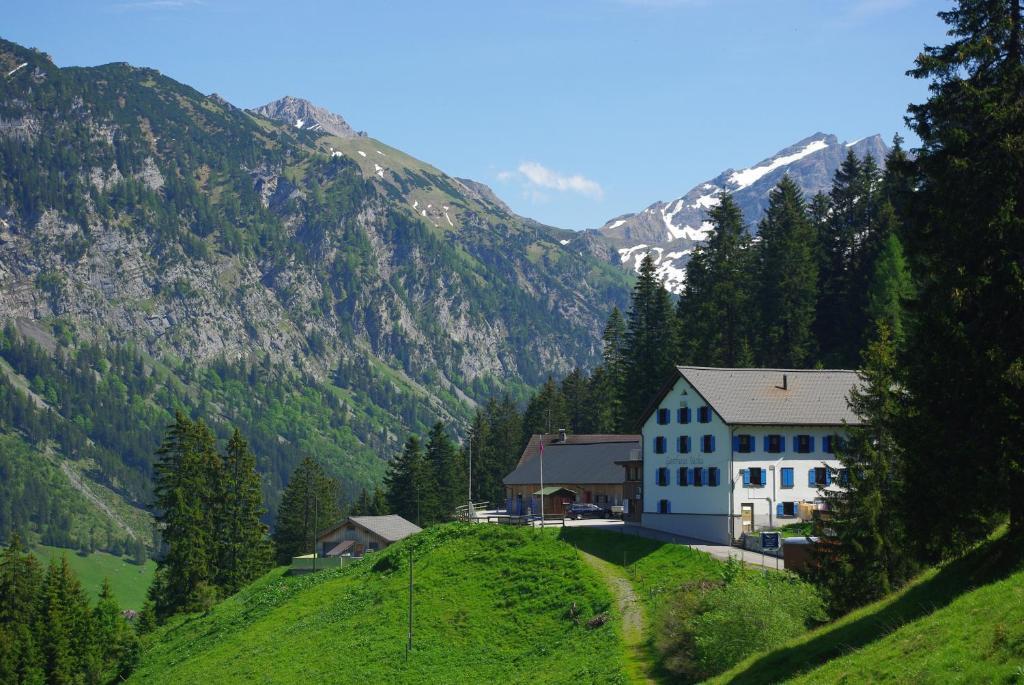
(729, 451)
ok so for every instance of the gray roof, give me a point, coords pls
(576, 463)
(391, 527)
(755, 396)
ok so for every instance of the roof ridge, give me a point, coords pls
(757, 368)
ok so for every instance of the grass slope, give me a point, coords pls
(128, 581)
(491, 605)
(961, 622)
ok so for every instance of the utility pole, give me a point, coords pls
(542, 473)
(469, 480)
(316, 515)
(408, 647)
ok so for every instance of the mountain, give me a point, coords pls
(670, 230)
(305, 115)
(326, 293)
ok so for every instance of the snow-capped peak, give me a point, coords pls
(741, 179)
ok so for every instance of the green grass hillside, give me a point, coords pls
(491, 605)
(128, 581)
(960, 623)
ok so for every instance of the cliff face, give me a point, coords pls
(134, 209)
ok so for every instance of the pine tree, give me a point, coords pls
(788, 275)
(649, 352)
(864, 552)
(117, 642)
(575, 391)
(608, 382)
(411, 486)
(716, 309)
(20, 588)
(448, 472)
(965, 239)
(546, 411)
(309, 504)
(188, 475)
(890, 286)
(243, 550)
(66, 636)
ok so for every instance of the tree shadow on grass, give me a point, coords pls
(988, 563)
(616, 548)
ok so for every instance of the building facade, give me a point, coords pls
(733, 451)
(357, 535)
(577, 469)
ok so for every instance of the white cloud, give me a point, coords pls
(535, 176)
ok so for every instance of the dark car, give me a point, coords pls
(588, 511)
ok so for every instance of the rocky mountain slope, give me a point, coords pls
(321, 289)
(670, 230)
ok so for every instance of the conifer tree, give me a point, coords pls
(66, 638)
(188, 474)
(20, 586)
(965, 239)
(650, 350)
(788, 275)
(243, 550)
(309, 505)
(575, 392)
(411, 486)
(448, 472)
(890, 287)
(608, 382)
(117, 643)
(864, 554)
(546, 411)
(715, 311)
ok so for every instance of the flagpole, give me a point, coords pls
(542, 480)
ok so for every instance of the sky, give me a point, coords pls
(574, 111)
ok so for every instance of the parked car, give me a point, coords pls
(588, 511)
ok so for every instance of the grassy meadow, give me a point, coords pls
(128, 581)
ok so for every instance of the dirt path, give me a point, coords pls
(639, 662)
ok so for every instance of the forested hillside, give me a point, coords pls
(163, 249)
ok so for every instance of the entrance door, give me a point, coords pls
(747, 517)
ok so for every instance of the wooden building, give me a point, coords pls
(577, 469)
(357, 535)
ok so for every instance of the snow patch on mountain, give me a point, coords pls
(746, 177)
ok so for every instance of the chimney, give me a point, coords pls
(785, 382)
(561, 435)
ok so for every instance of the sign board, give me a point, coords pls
(771, 540)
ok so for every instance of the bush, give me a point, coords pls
(752, 613)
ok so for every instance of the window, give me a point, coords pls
(819, 477)
(844, 477)
(661, 476)
(663, 416)
(659, 444)
(714, 477)
(683, 444)
(707, 444)
(753, 477)
(774, 444)
(743, 443)
(831, 442)
(683, 415)
(664, 506)
(787, 476)
(684, 475)
(698, 476)
(804, 444)
(785, 509)
(704, 414)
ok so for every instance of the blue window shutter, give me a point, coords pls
(810, 477)
(668, 507)
(767, 440)
(746, 477)
(712, 443)
(713, 476)
(778, 509)
(828, 476)
(735, 443)
(811, 443)
(782, 443)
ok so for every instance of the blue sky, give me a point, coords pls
(574, 112)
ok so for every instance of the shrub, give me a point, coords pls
(752, 613)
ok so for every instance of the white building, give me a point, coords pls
(728, 451)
